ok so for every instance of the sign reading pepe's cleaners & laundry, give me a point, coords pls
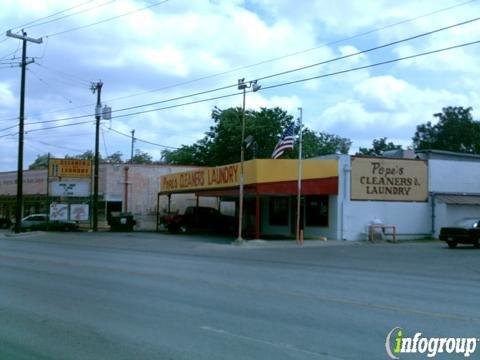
(384, 179)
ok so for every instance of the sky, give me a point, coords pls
(160, 62)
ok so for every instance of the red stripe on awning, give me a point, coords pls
(327, 186)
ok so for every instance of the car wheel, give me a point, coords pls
(452, 244)
(183, 228)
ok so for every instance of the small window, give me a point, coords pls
(316, 210)
(278, 211)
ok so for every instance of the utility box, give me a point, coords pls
(121, 222)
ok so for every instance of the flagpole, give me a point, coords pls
(299, 185)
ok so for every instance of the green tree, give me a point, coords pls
(187, 154)
(87, 155)
(41, 162)
(322, 143)
(221, 144)
(141, 157)
(115, 158)
(262, 126)
(379, 146)
(455, 131)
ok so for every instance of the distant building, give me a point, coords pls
(122, 188)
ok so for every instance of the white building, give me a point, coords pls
(413, 195)
(130, 188)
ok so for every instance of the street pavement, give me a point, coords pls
(162, 296)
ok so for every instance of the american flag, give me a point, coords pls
(285, 142)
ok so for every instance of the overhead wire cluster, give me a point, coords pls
(274, 59)
(121, 111)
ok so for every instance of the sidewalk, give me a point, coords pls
(293, 243)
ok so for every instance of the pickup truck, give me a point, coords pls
(199, 218)
(465, 231)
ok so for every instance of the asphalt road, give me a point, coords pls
(157, 296)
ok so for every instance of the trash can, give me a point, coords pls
(122, 222)
(376, 230)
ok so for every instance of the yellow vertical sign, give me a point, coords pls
(71, 168)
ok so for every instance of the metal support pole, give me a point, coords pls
(133, 141)
(242, 85)
(299, 184)
(98, 88)
(125, 191)
(242, 157)
(158, 213)
(257, 216)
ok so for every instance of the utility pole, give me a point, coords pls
(299, 233)
(21, 118)
(96, 87)
(133, 141)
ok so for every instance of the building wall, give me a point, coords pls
(457, 212)
(449, 214)
(34, 183)
(330, 231)
(450, 176)
(143, 187)
(453, 174)
(412, 219)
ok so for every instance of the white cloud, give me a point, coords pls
(6, 96)
(179, 42)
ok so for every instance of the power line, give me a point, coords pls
(9, 67)
(294, 53)
(48, 85)
(308, 79)
(70, 15)
(51, 15)
(268, 87)
(11, 53)
(58, 126)
(9, 127)
(271, 75)
(276, 58)
(71, 76)
(44, 50)
(373, 65)
(141, 140)
(56, 146)
(107, 19)
(265, 77)
(371, 49)
(104, 142)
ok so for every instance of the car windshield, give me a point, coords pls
(467, 223)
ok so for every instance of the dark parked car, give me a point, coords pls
(42, 222)
(465, 231)
(5, 222)
(199, 218)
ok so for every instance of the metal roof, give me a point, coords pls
(459, 199)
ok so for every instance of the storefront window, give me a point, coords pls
(316, 208)
(278, 214)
